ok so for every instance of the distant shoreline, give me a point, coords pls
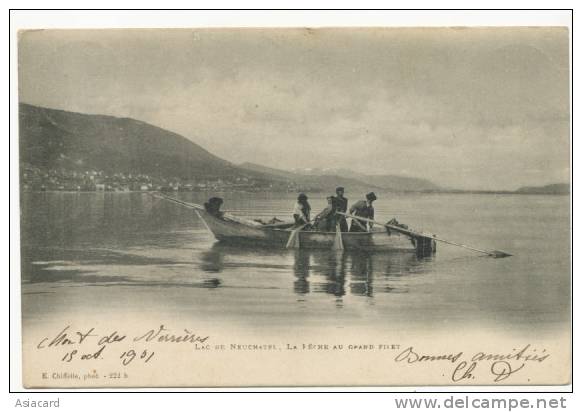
(455, 192)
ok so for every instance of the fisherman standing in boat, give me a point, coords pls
(363, 208)
(340, 204)
(302, 210)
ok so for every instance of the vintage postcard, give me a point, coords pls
(295, 207)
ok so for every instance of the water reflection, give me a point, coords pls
(362, 270)
(212, 260)
(301, 270)
(324, 271)
(71, 242)
(331, 268)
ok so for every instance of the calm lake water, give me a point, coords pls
(127, 252)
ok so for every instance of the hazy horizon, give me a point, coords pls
(464, 108)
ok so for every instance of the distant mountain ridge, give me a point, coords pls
(552, 189)
(51, 138)
(386, 182)
(269, 170)
(60, 139)
(325, 182)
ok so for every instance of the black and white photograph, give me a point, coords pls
(294, 206)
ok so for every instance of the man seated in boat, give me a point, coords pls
(302, 210)
(213, 206)
(340, 204)
(325, 220)
(363, 208)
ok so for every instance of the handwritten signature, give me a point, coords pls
(501, 365)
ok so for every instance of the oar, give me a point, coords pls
(293, 242)
(338, 243)
(492, 253)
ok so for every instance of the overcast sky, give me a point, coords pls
(465, 108)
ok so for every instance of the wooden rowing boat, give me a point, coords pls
(231, 229)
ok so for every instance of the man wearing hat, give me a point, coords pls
(363, 208)
(340, 204)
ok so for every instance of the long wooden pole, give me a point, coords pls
(494, 253)
(198, 207)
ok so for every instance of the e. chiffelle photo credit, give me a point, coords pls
(295, 207)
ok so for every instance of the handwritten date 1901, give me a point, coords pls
(79, 342)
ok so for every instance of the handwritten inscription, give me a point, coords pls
(87, 344)
(500, 365)
(162, 334)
